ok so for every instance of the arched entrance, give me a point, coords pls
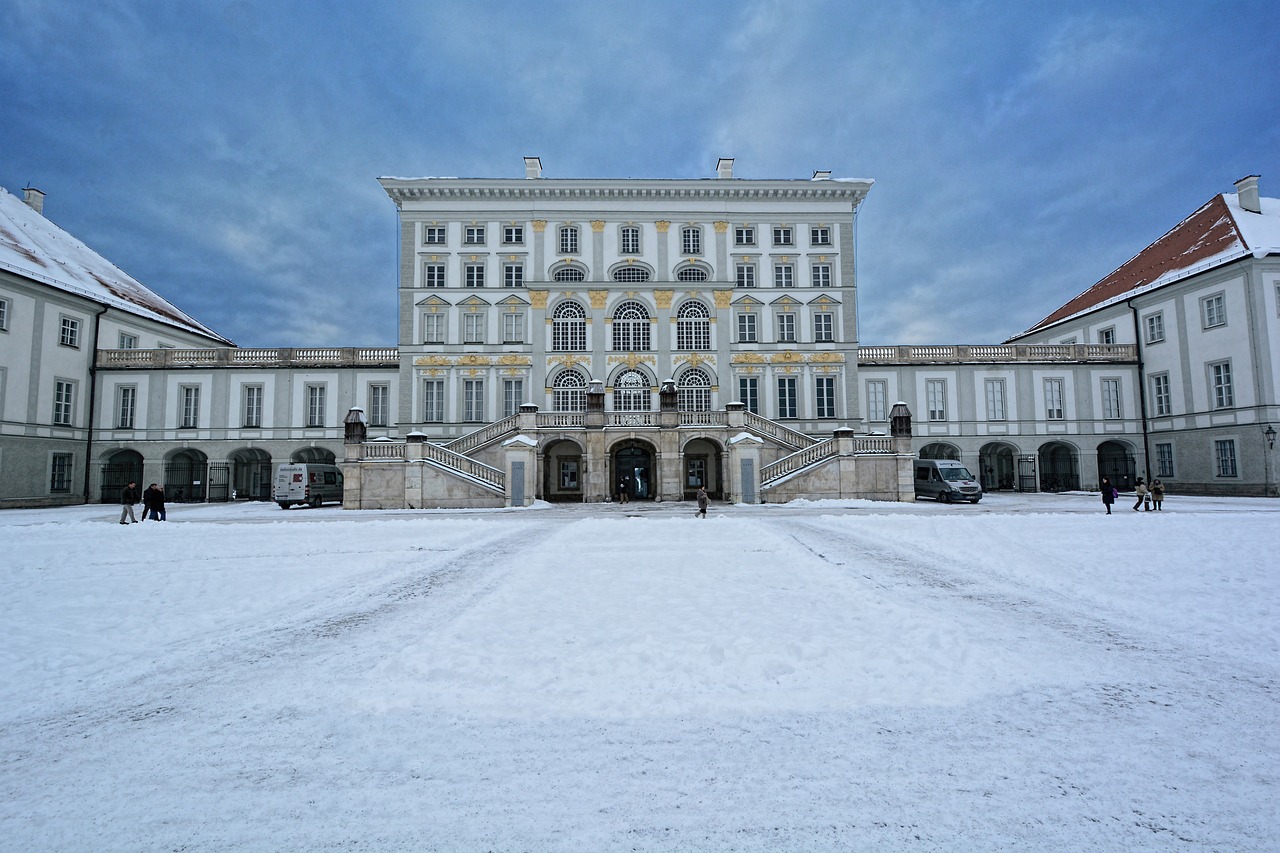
(563, 473)
(313, 455)
(118, 470)
(703, 463)
(186, 476)
(1059, 468)
(632, 468)
(995, 466)
(939, 450)
(1116, 462)
(250, 474)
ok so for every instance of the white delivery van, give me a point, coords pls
(945, 480)
(307, 484)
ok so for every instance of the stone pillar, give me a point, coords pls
(668, 405)
(900, 430)
(354, 434)
(527, 418)
(736, 412)
(595, 459)
(595, 405)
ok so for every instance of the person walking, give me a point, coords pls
(153, 502)
(623, 493)
(1108, 494)
(1157, 494)
(702, 501)
(128, 497)
(1141, 491)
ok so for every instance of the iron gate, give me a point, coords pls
(1026, 473)
(115, 478)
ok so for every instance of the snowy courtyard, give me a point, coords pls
(1023, 674)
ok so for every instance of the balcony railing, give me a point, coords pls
(998, 354)
(778, 432)
(234, 357)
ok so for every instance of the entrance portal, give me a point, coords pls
(633, 471)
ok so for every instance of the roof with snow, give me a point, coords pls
(33, 247)
(1216, 234)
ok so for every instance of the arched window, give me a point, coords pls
(570, 274)
(631, 392)
(569, 392)
(569, 328)
(631, 328)
(691, 274)
(630, 273)
(693, 327)
(695, 391)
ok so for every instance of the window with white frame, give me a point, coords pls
(315, 404)
(569, 274)
(786, 325)
(1053, 400)
(433, 328)
(69, 335)
(126, 406)
(60, 465)
(513, 275)
(824, 396)
(473, 327)
(1154, 325)
(189, 406)
(379, 404)
(877, 400)
(513, 327)
(1224, 453)
(1220, 381)
(127, 341)
(747, 327)
(694, 391)
(64, 399)
(473, 400)
(749, 393)
(788, 401)
(1161, 401)
(631, 328)
(820, 275)
(513, 235)
(631, 392)
(473, 235)
(629, 241)
(433, 275)
(251, 406)
(783, 235)
(569, 240)
(996, 409)
(433, 401)
(512, 396)
(1111, 399)
(1107, 336)
(693, 327)
(935, 392)
(569, 393)
(824, 327)
(473, 275)
(433, 235)
(4, 315)
(784, 275)
(820, 235)
(692, 274)
(745, 275)
(1164, 460)
(744, 235)
(1213, 311)
(569, 328)
(691, 240)
(631, 273)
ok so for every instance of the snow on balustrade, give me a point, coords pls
(382, 450)
(484, 435)
(873, 444)
(799, 459)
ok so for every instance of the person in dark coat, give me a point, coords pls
(702, 501)
(624, 491)
(153, 503)
(1108, 494)
(128, 497)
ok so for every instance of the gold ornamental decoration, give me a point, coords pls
(515, 359)
(662, 298)
(477, 360)
(538, 298)
(721, 227)
(747, 358)
(662, 225)
(723, 298)
(632, 359)
(598, 298)
(597, 225)
(826, 358)
(786, 357)
(431, 361)
(539, 225)
(568, 361)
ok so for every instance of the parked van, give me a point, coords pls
(945, 480)
(307, 484)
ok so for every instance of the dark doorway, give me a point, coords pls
(121, 468)
(1116, 463)
(633, 471)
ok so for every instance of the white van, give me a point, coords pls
(945, 480)
(307, 484)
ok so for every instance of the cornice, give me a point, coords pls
(424, 189)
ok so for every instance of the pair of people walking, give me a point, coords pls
(153, 503)
(1149, 497)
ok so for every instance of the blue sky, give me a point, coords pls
(226, 153)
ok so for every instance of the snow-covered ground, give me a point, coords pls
(1024, 674)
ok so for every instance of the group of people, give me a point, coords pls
(152, 503)
(1149, 497)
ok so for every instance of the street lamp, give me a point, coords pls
(1271, 437)
(1270, 434)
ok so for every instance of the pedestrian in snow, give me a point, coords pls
(1157, 493)
(128, 497)
(623, 496)
(702, 501)
(153, 503)
(1109, 494)
(1141, 491)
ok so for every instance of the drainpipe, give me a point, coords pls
(1142, 391)
(93, 398)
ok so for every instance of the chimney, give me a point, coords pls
(35, 199)
(822, 175)
(1247, 190)
(724, 167)
(533, 167)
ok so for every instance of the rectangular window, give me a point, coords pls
(433, 328)
(1220, 378)
(824, 397)
(60, 472)
(189, 400)
(820, 236)
(749, 393)
(253, 406)
(70, 333)
(747, 328)
(433, 401)
(513, 327)
(512, 396)
(823, 327)
(315, 405)
(126, 406)
(513, 275)
(1111, 399)
(630, 240)
(473, 328)
(935, 392)
(473, 235)
(821, 275)
(513, 235)
(433, 235)
(691, 241)
(1107, 336)
(788, 406)
(783, 236)
(786, 327)
(1164, 460)
(569, 240)
(473, 400)
(128, 341)
(4, 315)
(474, 275)
(1053, 409)
(1213, 311)
(64, 397)
(996, 410)
(379, 404)
(433, 275)
(744, 235)
(746, 275)
(784, 275)
(1224, 453)
(1160, 399)
(877, 400)
(1154, 324)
